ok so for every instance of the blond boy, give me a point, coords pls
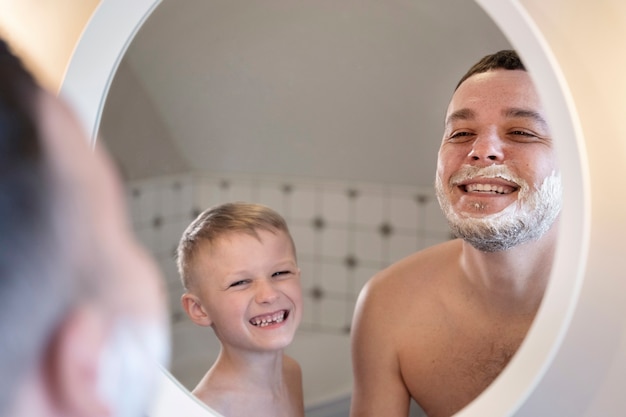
(237, 262)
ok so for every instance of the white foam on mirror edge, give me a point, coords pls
(552, 371)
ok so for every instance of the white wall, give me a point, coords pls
(43, 33)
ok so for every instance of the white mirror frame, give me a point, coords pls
(573, 361)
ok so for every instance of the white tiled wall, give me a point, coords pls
(344, 232)
(339, 228)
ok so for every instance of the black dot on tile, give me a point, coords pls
(157, 222)
(224, 184)
(451, 236)
(136, 192)
(353, 193)
(317, 293)
(346, 329)
(195, 212)
(350, 262)
(422, 198)
(287, 188)
(319, 223)
(385, 230)
(176, 186)
(177, 316)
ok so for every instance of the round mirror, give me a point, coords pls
(554, 340)
(332, 115)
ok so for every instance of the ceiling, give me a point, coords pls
(350, 89)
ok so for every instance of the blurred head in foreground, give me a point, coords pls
(82, 307)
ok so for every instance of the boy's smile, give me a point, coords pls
(250, 290)
(273, 319)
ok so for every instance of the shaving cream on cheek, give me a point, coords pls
(129, 364)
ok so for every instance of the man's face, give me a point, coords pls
(250, 288)
(97, 216)
(127, 287)
(497, 178)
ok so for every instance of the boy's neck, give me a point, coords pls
(254, 370)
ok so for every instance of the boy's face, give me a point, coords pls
(248, 290)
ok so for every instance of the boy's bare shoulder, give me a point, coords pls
(216, 396)
(291, 366)
(293, 379)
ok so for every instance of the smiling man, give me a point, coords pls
(440, 325)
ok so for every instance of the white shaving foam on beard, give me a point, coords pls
(129, 366)
(529, 218)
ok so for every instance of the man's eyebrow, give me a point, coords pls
(526, 114)
(461, 114)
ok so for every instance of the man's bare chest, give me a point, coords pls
(447, 371)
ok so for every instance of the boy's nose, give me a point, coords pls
(266, 293)
(486, 149)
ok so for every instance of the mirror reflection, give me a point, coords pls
(330, 113)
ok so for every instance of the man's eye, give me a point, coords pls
(279, 273)
(523, 135)
(459, 137)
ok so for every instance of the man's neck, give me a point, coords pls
(511, 281)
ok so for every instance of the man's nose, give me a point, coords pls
(266, 292)
(487, 148)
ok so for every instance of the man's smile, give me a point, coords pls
(485, 185)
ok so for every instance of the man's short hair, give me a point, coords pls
(221, 220)
(34, 290)
(506, 59)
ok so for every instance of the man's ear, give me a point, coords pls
(73, 364)
(195, 310)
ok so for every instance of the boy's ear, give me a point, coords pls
(72, 364)
(195, 310)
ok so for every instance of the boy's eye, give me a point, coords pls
(239, 283)
(279, 273)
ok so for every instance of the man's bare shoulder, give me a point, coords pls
(396, 312)
(422, 270)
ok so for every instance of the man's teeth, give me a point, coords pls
(263, 321)
(488, 188)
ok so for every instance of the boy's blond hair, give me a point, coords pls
(218, 221)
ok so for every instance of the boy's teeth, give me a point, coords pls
(267, 320)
